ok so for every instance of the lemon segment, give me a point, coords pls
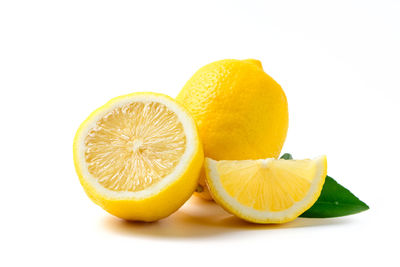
(139, 156)
(266, 190)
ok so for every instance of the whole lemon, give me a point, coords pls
(240, 111)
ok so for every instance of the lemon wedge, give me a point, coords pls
(266, 190)
(139, 156)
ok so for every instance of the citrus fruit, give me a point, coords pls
(240, 111)
(139, 156)
(266, 190)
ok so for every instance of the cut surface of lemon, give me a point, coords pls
(139, 156)
(266, 190)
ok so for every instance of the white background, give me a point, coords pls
(338, 62)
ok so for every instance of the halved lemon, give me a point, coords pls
(266, 190)
(139, 156)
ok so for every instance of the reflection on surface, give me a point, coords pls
(199, 218)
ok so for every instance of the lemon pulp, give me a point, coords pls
(266, 190)
(138, 156)
(134, 146)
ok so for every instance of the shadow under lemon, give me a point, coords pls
(201, 218)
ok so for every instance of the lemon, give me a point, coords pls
(139, 156)
(240, 111)
(266, 190)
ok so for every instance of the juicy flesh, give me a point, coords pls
(134, 146)
(267, 186)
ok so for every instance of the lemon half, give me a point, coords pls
(139, 156)
(266, 190)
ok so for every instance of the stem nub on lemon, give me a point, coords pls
(240, 111)
(139, 156)
(266, 190)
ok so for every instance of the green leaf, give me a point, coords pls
(286, 156)
(335, 200)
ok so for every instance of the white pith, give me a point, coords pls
(257, 215)
(191, 144)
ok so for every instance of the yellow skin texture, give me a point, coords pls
(153, 208)
(240, 111)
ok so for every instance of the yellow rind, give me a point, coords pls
(159, 205)
(241, 112)
(231, 209)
